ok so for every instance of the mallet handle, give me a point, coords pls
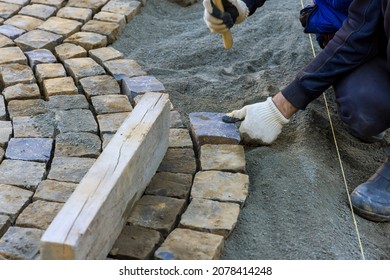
(226, 36)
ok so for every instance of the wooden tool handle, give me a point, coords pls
(226, 36)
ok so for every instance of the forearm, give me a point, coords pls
(285, 107)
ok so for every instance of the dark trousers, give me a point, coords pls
(363, 98)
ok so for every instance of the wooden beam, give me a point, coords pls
(93, 217)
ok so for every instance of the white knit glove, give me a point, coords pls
(236, 12)
(262, 122)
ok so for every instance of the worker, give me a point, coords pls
(356, 62)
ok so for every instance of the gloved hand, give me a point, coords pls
(217, 21)
(262, 122)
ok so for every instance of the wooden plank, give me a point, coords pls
(93, 217)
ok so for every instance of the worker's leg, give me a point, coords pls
(363, 99)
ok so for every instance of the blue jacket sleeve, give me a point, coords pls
(358, 40)
(253, 5)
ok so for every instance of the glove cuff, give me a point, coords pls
(275, 111)
(243, 12)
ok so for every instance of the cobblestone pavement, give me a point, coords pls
(64, 93)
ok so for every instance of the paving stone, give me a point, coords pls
(40, 126)
(3, 112)
(108, 104)
(175, 120)
(40, 56)
(59, 86)
(26, 108)
(208, 128)
(83, 67)
(179, 160)
(110, 17)
(38, 214)
(222, 157)
(5, 42)
(5, 132)
(29, 149)
(17, 2)
(80, 144)
(186, 244)
(157, 212)
(136, 243)
(68, 50)
(109, 29)
(12, 55)
(55, 3)
(24, 22)
(123, 7)
(5, 223)
(110, 123)
(20, 243)
(102, 55)
(179, 138)
(11, 31)
(87, 40)
(122, 68)
(80, 14)
(106, 137)
(68, 102)
(38, 39)
(25, 174)
(95, 5)
(21, 92)
(170, 184)
(7, 10)
(76, 121)
(42, 12)
(138, 85)
(14, 200)
(46, 71)
(210, 216)
(99, 85)
(69, 169)
(221, 186)
(12, 74)
(54, 191)
(61, 26)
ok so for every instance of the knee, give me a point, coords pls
(357, 121)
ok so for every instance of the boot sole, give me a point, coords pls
(370, 215)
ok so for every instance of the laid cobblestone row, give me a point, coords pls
(64, 93)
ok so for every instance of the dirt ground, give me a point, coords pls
(297, 206)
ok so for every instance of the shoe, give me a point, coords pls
(367, 139)
(371, 200)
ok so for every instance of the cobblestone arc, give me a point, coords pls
(64, 93)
